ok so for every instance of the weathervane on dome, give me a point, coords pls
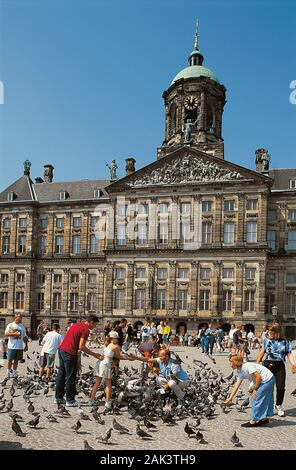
(196, 36)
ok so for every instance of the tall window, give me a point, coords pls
(250, 273)
(183, 273)
(76, 222)
(292, 214)
(182, 299)
(228, 273)
(250, 301)
(185, 208)
(272, 215)
(59, 244)
(40, 301)
(76, 244)
(57, 301)
(162, 273)
(161, 298)
(140, 273)
(23, 223)
(19, 300)
(20, 277)
(41, 279)
(74, 278)
(206, 206)
(270, 279)
(121, 209)
(57, 278)
(252, 204)
(93, 244)
(251, 232)
(5, 245)
(163, 232)
(269, 302)
(92, 278)
(227, 300)
(163, 208)
(292, 184)
(142, 233)
(91, 301)
(43, 245)
(74, 301)
(43, 223)
(204, 300)
(3, 299)
(121, 235)
(271, 239)
(291, 279)
(292, 240)
(120, 273)
(60, 222)
(140, 298)
(22, 243)
(228, 232)
(205, 273)
(4, 278)
(94, 220)
(6, 224)
(119, 300)
(229, 205)
(206, 232)
(291, 303)
(142, 209)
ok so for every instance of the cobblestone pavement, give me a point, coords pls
(279, 434)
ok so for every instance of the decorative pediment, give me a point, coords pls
(184, 170)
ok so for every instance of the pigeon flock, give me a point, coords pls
(134, 395)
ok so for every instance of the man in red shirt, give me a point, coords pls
(74, 341)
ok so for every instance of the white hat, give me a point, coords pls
(113, 334)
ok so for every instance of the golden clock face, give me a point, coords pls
(191, 102)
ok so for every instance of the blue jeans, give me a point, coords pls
(165, 339)
(202, 343)
(66, 377)
(209, 344)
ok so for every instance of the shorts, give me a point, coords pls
(47, 361)
(242, 347)
(103, 369)
(14, 354)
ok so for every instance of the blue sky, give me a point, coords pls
(83, 80)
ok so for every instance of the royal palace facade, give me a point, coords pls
(191, 237)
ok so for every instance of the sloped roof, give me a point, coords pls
(76, 190)
(23, 190)
(281, 178)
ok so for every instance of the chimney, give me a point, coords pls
(130, 166)
(48, 173)
(38, 180)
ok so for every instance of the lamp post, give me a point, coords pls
(274, 311)
(80, 310)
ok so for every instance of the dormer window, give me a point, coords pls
(97, 193)
(11, 196)
(292, 184)
(63, 195)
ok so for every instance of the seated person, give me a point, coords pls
(171, 375)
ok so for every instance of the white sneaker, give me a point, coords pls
(72, 403)
(280, 411)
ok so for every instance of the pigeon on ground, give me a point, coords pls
(104, 438)
(9, 405)
(235, 440)
(118, 427)
(12, 391)
(87, 446)
(76, 426)
(17, 429)
(34, 422)
(189, 431)
(97, 417)
(141, 433)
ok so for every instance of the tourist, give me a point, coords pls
(73, 342)
(186, 338)
(16, 333)
(171, 375)
(264, 333)
(220, 339)
(242, 342)
(261, 388)
(40, 332)
(145, 330)
(250, 338)
(160, 329)
(166, 333)
(103, 369)
(276, 348)
(51, 343)
(210, 335)
(107, 328)
(129, 337)
(230, 344)
(201, 338)
(153, 330)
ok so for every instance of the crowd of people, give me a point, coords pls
(153, 350)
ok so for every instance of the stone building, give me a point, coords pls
(191, 237)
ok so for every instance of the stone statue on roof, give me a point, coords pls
(112, 168)
(27, 166)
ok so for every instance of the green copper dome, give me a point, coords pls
(194, 71)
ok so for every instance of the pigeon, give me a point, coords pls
(31, 407)
(87, 446)
(46, 390)
(34, 422)
(98, 418)
(245, 402)
(104, 438)
(189, 431)
(118, 427)
(76, 426)
(148, 424)
(294, 392)
(82, 415)
(141, 433)
(2, 405)
(229, 377)
(12, 391)
(9, 405)
(235, 440)
(199, 437)
(16, 428)
(51, 418)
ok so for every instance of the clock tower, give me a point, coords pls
(194, 105)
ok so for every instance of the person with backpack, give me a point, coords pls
(276, 348)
